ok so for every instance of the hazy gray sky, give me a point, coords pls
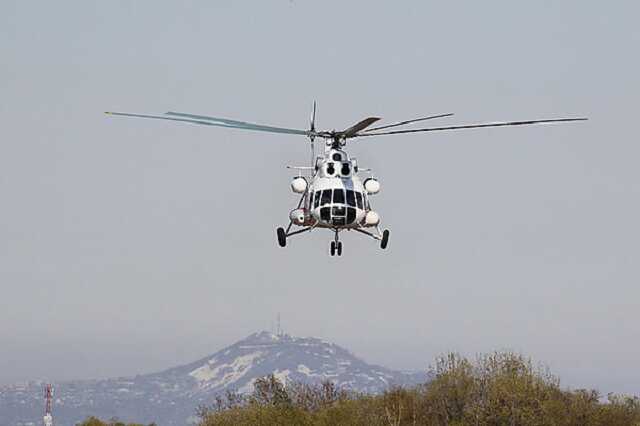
(128, 246)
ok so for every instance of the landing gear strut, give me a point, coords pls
(283, 235)
(383, 236)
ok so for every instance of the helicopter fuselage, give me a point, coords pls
(336, 197)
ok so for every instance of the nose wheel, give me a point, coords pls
(335, 248)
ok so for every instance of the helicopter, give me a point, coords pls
(333, 196)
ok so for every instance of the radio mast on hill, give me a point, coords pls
(48, 397)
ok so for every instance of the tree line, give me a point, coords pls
(499, 389)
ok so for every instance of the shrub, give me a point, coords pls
(499, 389)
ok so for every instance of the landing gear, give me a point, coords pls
(288, 233)
(385, 239)
(282, 237)
(335, 246)
(283, 234)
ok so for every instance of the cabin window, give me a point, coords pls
(338, 196)
(351, 199)
(310, 200)
(316, 201)
(359, 200)
(326, 196)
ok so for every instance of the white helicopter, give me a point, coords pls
(334, 196)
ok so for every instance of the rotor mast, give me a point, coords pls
(312, 134)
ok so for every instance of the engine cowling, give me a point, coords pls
(371, 185)
(299, 185)
(297, 216)
(372, 218)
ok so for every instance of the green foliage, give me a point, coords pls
(93, 421)
(500, 389)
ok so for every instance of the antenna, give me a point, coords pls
(48, 397)
(279, 332)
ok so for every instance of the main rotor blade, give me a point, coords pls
(353, 130)
(474, 126)
(218, 122)
(161, 117)
(402, 123)
(242, 124)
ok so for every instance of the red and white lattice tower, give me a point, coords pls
(48, 397)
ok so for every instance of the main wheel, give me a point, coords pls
(333, 248)
(339, 248)
(385, 239)
(282, 237)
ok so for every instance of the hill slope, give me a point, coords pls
(171, 396)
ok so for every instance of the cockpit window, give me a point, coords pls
(310, 200)
(338, 196)
(316, 201)
(351, 215)
(336, 157)
(326, 196)
(346, 169)
(359, 200)
(351, 199)
(338, 211)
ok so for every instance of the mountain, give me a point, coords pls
(170, 397)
